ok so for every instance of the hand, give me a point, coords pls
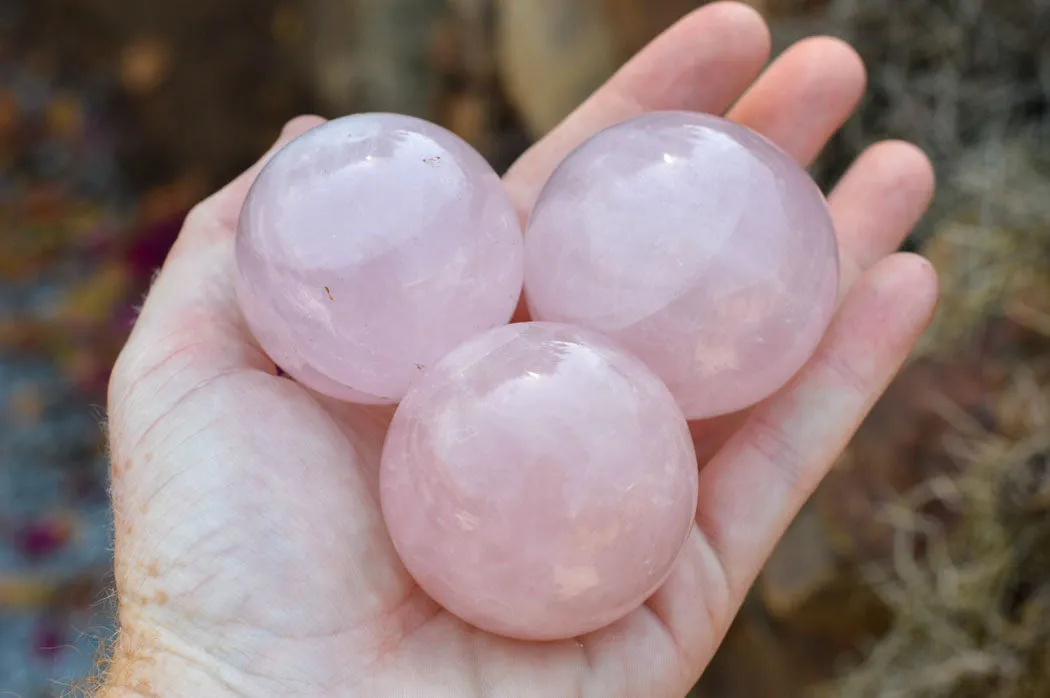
(251, 557)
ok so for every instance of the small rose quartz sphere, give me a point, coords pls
(369, 247)
(539, 482)
(694, 243)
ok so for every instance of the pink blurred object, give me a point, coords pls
(694, 243)
(38, 539)
(49, 637)
(371, 246)
(538, 482)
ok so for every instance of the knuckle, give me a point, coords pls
(845, 372)
(777, 448)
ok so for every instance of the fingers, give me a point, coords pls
(190, 328)
(702, 63)
(877, 203)
(756, 484)
(804, 97)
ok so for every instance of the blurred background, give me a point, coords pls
(922, 566)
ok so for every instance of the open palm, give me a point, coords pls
(251, 557)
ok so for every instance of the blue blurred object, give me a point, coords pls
(63, 212)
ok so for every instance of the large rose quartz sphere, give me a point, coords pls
(539, 482)
(694, 243)
(369, 247)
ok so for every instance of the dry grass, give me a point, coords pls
(969, 81)
(949, 75)
(994, 251)
(973, 608)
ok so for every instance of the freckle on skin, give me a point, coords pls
(153, 570)
(160, 598)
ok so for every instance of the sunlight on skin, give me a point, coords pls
(251, 558)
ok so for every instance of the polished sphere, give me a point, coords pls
(538, 482)
(369, 247)
(695, 244)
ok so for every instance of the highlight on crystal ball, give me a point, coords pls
(694, 243)
(369, 247)
(538, 482)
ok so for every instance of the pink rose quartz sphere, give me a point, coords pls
(694, 243)
(369, 247)
(538, 482)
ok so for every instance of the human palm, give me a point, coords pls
(251, 556)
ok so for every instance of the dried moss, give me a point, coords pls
(972, 600)
(949, 75)
(973, 608)
(969, 81)
(993, 252)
